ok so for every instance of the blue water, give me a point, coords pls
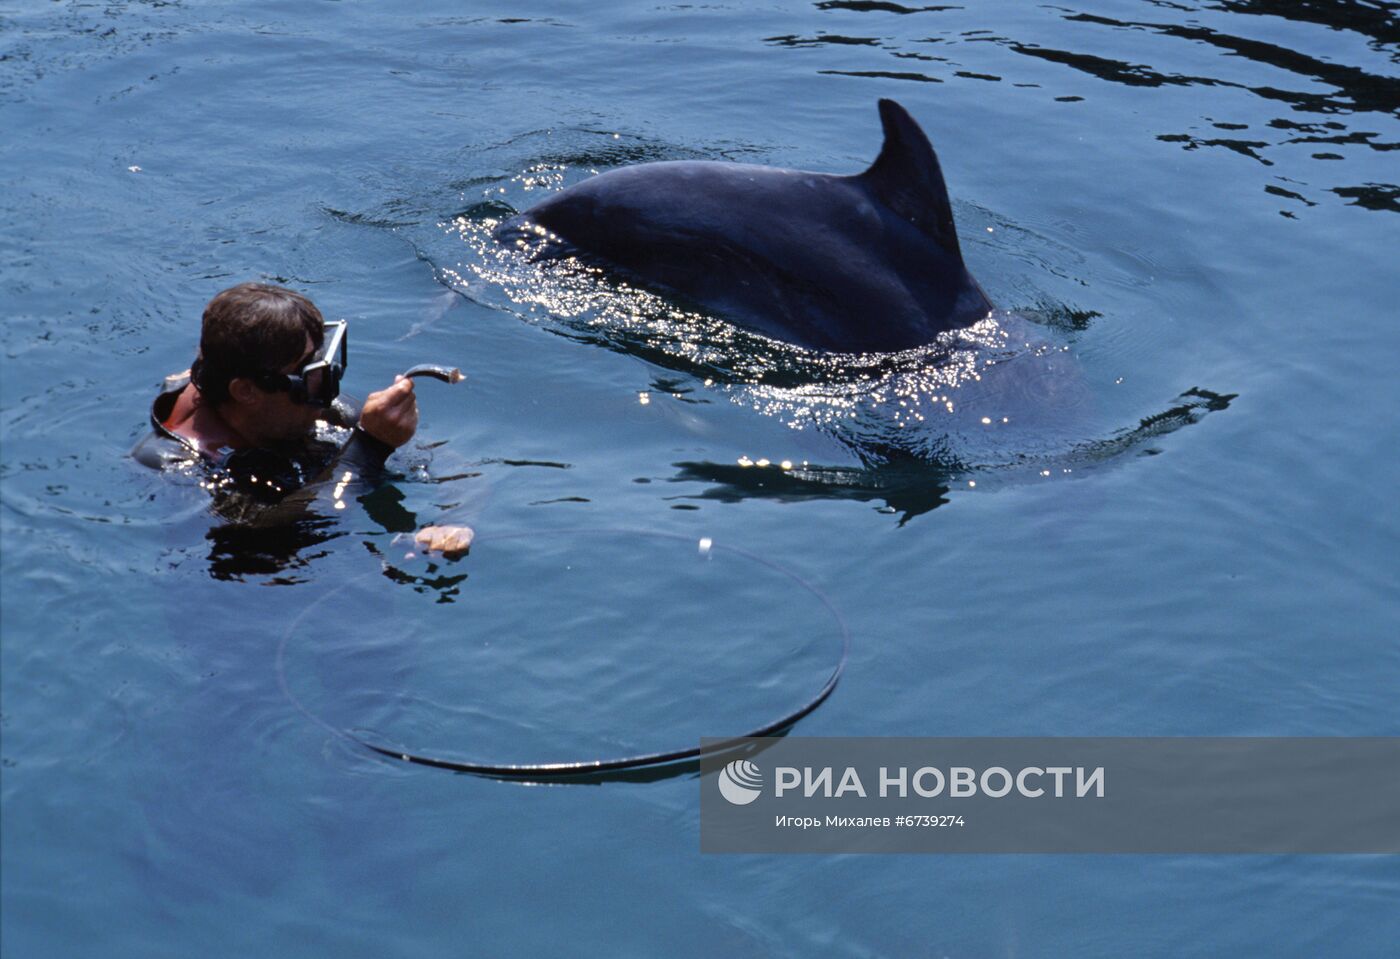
(1188, 527)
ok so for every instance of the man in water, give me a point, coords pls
(258, 400)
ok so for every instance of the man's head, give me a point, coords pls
(252, 332)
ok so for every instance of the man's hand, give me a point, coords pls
(450, 541)
(391, 415)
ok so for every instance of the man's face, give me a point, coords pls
(276, 416)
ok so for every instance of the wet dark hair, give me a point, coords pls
(248, 329)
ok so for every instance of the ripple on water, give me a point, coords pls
(565, 645)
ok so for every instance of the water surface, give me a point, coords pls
(1194, 204)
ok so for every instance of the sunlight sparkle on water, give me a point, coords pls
(922, 389)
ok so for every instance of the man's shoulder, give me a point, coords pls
(161, 447)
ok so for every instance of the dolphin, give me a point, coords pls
(849, 264)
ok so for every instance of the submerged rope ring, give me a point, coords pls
(584, 766)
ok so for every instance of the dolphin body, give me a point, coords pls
(863, 263)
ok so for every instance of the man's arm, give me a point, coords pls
(388, 420)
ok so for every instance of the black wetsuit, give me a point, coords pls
(314, 471)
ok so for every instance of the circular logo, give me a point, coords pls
(740, 782)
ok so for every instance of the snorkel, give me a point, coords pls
(448, 374)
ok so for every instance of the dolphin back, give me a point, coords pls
(860, 263)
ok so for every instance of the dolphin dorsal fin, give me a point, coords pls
(907, 178)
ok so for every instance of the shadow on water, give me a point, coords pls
(687, 768)
(659, 772)
(909, 487)
(910, 492)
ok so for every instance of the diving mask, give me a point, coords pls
(317, 381)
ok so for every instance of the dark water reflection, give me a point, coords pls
(1377, 19)
(862, 6)
(1358, 90)
(909, 492)
(1360, 102)
(909, 486)
(240, 550)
